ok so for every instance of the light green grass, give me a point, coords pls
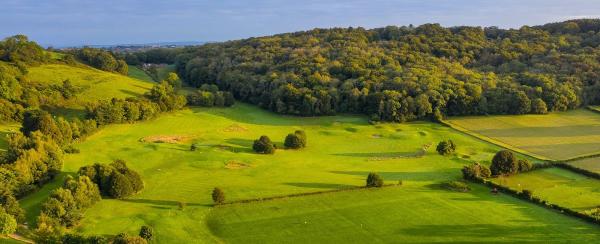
(5, 130)
(341, 151)
(137, 73)
(591, 164)
(557, 136)
(6, 240)
(162, 72)
(405, 214)
(558, 186)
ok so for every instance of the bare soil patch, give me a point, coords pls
(165, 139)
(234, 164)
(235, 128)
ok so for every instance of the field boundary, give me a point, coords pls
(263, 199)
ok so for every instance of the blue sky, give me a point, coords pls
(77, 22)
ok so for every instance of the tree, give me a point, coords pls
(475, 171)
(446, 147)
(123, 238)
(538, 106)
(120, 186)
(263, 145)
(8, 224)
(295, 140)
(218, 196)
(147, 232)
(194, 147)
(504, 162)
(374, 180)
(524, 165)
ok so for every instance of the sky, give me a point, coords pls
(101, 22)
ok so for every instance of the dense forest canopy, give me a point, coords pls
(403, 73)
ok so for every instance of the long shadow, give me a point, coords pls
(163, 202)
(319, 185)
(240, 144)
(441, 174)
(377, 154)
(130, 93)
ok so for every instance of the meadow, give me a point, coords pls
(591, 164)
(341, 151)
(558, 186)
(557, 136)
(137, 73)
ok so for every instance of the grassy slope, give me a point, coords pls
(342, 151)
(137, 73)
(558, 186)
(557, 135)
(591, 164)
(94, 85)
(397, 215)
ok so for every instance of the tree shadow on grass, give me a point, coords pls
(163, 202)
(319, 185)
(442, 174)
(377, 154)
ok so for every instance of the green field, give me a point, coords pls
(342, 150)
(397, 215)
(558, 186)
(591, 164)
(556, 136)
(137, 73)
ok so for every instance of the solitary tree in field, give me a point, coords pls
(147, 232)
(446, 147)
(504, 162)
(218, 196)
(264, 145)
(374, 180)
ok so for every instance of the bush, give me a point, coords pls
(446, 147)
(147, 232)
(194, 147)
(504, 162)
(263, 145)
(524, 165)
(295, 140)
(218, 196)
(527, 194)
(114, 180)
(8, 223)
(123, 238)
(374, 180)
(475, 171)
(456, 186)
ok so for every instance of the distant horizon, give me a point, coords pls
(63, 23)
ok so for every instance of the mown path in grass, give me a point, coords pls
(341, 151)
(557, 136)
(403, 214)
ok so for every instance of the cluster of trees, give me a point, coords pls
(264, 145)
(476, 171)
(100, 59)
(405, 73)
(210, 96)
(446, 147)
(18, 49)
(161, 98)
(114, 180)
(505, 163)
(295, 140)
(65, 207)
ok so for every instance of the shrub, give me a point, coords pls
(446, 147)
(504, 162)
(120, 186)
(8, 223)
(123, 238)
(114, 180)
(181, 205)
(524, 165)
(456, 186)
(194, 147)
(147, 232)
(218, 196)
(475, 171)
(295, 140)
(527, 194)
(263, 145)
(374, 180)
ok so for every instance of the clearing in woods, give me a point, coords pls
(341, 152)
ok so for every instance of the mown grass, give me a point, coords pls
(137, 73)
(591, 164)
(558, 136)
(404, 214)
(341, 151)
(558, 186)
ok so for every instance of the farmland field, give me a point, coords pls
(341, 151)
(557, 136)
(591, 164)
(558, 186)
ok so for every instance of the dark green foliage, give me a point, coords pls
(210, 96)
(10, 205)
(71, 238)
(263, 145)
(538, 106)
(446, 147)
(374, 180)
(122, 111)
(115, 180)
(194, 147)
(147, 232)
(524, 165)
(475, 171)
(123, 238)
(295, 140)
(456, 186)
(218, 196)
(165, 97)
(18, 49)
(527, 194)
(504, 162)
(101, 59)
